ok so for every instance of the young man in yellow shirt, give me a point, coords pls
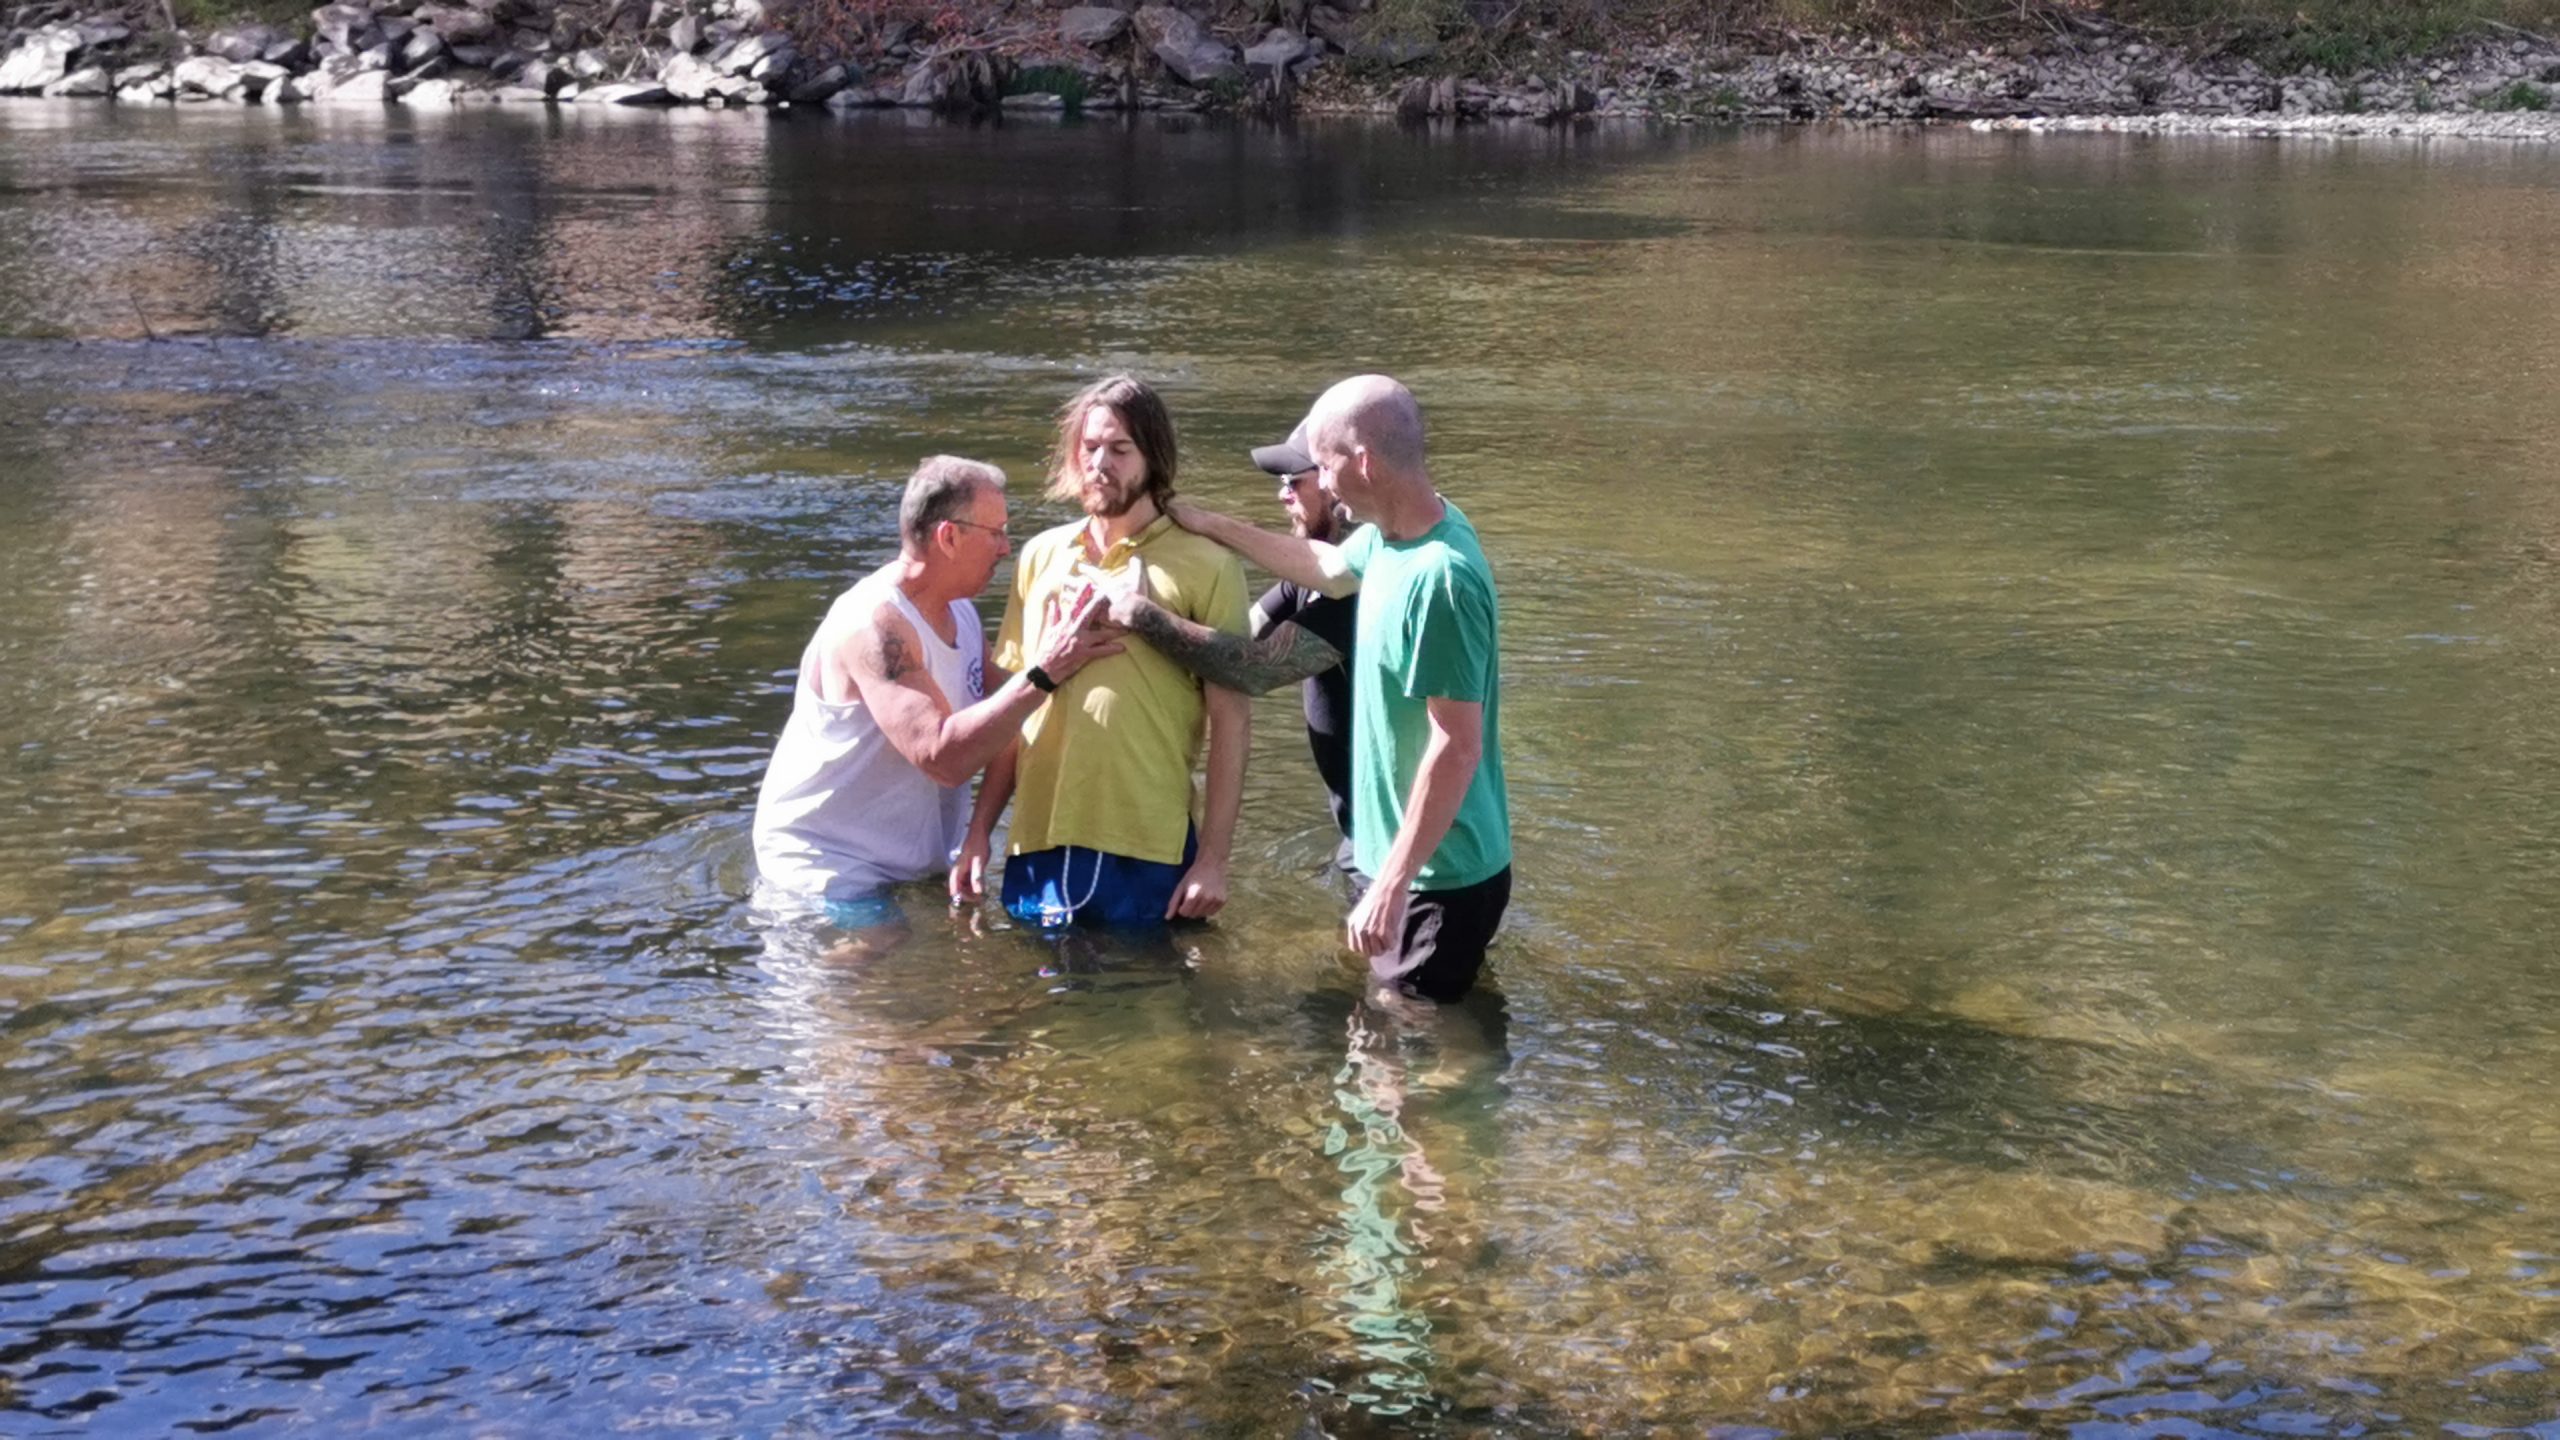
(1105, 830)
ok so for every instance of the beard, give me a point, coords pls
(1104, 499)
(1323, 525)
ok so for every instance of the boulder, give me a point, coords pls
(775, 64)
(1036, 100)
(685, 35)
(292, 52)
(429, 93)
(743, 57)
(242, 43)
(635, 92)
(377, 57)
(89, 80)
(542, 75)
(1092, 26)
(687, 78)
(210, 77)
(421, 47)
(1164, 25)
(40, 59)
(259, 79)
(347, 27)
(1276, 51)
(823, 86)
(520, 95)
(363, 87)
(861, 97)
(589, 65)
(1202, 62)
(144, 91)
(459, 24)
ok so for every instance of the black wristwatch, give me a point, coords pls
(1040, 680)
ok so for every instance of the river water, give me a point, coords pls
(2032, 665)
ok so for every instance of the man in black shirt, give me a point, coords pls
(1298, 634)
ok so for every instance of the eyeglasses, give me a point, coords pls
(974, 525)
(1290, 483)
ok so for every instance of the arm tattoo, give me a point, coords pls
(1254, 667)
(895, 663)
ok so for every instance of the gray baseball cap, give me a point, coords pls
(1289, 456)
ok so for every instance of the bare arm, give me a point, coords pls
(969, 871)
(1311, 563)
(1203, 890)
(1449, 760)
(917, 719)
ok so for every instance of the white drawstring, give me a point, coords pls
(1066, 863)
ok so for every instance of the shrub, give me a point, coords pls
(2519, 96)
(1064, 81)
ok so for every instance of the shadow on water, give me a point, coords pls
(505, 225)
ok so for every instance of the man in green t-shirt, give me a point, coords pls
(1430, 819)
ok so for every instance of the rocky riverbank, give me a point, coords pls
(2081, 73)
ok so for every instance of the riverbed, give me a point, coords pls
(2029, 671)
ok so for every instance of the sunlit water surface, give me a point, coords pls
(2033, 692)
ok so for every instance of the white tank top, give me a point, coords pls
(843, 813)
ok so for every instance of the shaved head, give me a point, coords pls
(1372, 413)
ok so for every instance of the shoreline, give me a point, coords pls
(2089, 76)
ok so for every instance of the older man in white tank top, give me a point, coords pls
(869, 782)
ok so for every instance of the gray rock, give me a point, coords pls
(1035, 100)
(1202, 62)
(428, 93)
(542, 75)
(242, 43)
(823, 86)
(743, 57)
(1161, 25)
(861, 97)
(636, 92)
(259, 79)
(1276, 51)
(687, 78)
(459, 24)
(421, 47)
(1092, 26)
(209, 76)
(589, 65)
(144, 92)
(292, 52)
(520, 95)
(685, 35)
(39, 60)
(89, 80)
(481, 57)
(376, 57)
(925, 86)
(776, 61)
(348, 27)
(364, 87)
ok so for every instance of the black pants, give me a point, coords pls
(1445, 935)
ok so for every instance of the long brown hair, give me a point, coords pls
(1142, 414)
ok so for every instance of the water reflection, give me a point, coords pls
(2028, 667)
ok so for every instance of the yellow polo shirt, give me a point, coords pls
(1106, 762)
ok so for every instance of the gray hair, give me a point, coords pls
(940, 489)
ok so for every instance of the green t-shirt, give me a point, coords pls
(1428, 628)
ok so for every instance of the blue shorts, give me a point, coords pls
(1071, 885)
